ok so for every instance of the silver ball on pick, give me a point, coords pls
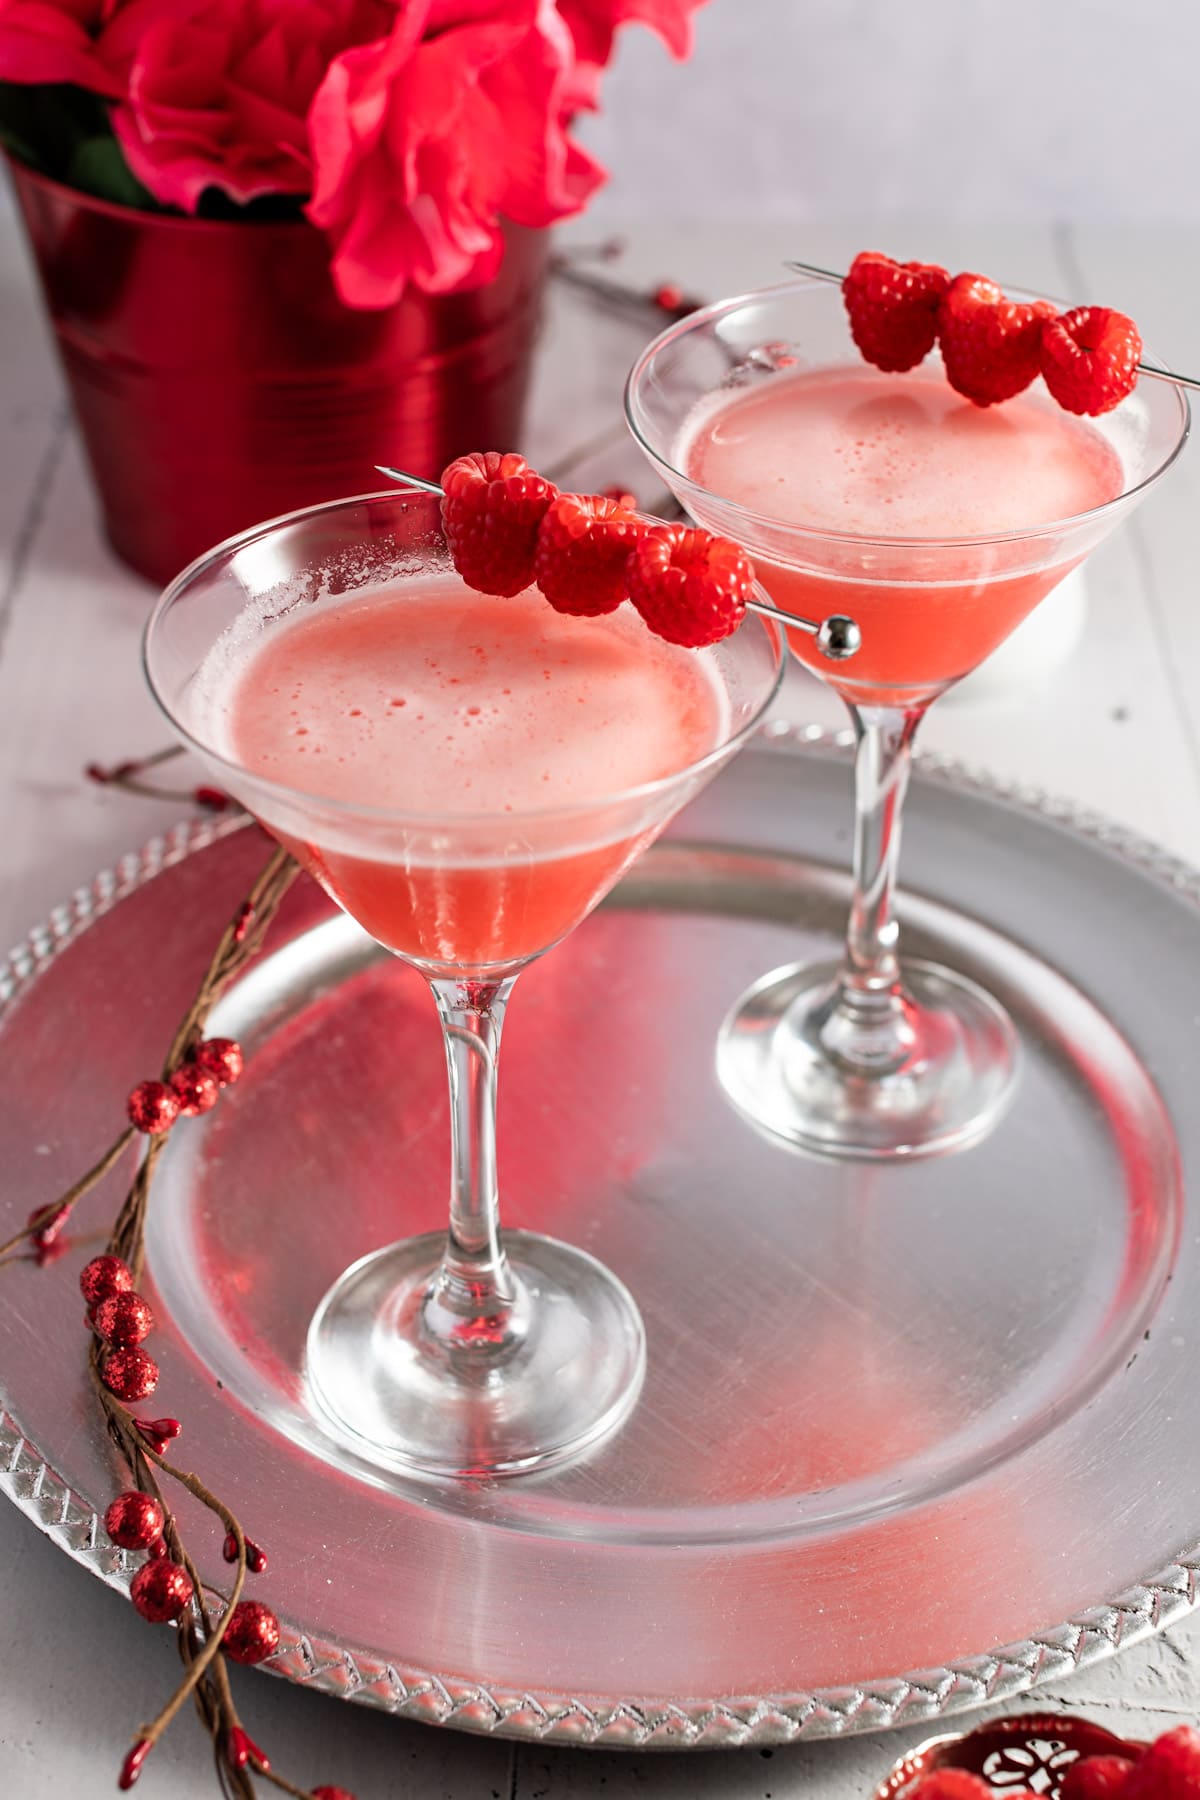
(838, 637)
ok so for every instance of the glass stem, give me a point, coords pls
(866, 1027)
(473, 1301)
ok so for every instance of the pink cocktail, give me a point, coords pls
(474, 710)
(885, 457)
(936, 526)
(467, 776)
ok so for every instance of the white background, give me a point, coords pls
(960, 109)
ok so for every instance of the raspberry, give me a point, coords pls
(690, 587)
(1168, 1770)
(1090, 357)
(950, 1784)
(893, 308)
(492, 507)
(582, 549)
(991, 345)
(1095, 1778)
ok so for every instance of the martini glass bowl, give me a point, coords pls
(868, 1057)
(465, 1353)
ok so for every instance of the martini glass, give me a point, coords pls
(867, 1056)
(467, 1353)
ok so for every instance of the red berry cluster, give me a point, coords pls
(992, 347)
(121, 1319)
(195, 1087)
(162, 1588)
(508, 529)
(1168, 1770)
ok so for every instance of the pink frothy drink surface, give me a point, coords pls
(871, 455)
(506, 732)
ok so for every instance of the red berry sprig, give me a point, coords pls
(507, 531)
(166, 1586)
(992, 347)
(582, 553)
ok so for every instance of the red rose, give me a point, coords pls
(422, 144)
(218, 91)
(54, 40)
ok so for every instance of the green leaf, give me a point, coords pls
(98, 167)
(45, 124)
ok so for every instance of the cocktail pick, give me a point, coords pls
(1143, 368)
(838, 637)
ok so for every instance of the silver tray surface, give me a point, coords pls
(912, 1438)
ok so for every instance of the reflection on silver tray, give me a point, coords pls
(892, 1415)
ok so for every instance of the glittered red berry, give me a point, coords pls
(129, 1373)
(950, 1784)
(690, 587)
(160, 1590)
(991, 345)
(152, 1107)
(1090, 358)
(252, 1632)
(158, 1548)
(103, 1276)
(157, 1433)
(123, 1319)
(134, 1520)
(893, 308)
(221, 1057)
(1096, 1778)
(1168, 1770)
(332, 1793)
(582, 553)
(492, 507)
(195, 1090)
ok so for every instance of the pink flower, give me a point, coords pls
(422, 144)
(45, 41)
(594, 24)
(218, 91)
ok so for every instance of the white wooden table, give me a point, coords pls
(1117, 727)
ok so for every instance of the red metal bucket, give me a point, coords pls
(218, 379)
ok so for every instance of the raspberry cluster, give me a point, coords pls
(1169, 1769)
(508, 529)
(992, 347)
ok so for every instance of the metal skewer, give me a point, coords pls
(838, 637)
(1185, 381)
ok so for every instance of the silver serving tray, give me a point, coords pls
(893, 1416)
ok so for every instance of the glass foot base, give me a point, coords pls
(950, 1090)
(566, 1373)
